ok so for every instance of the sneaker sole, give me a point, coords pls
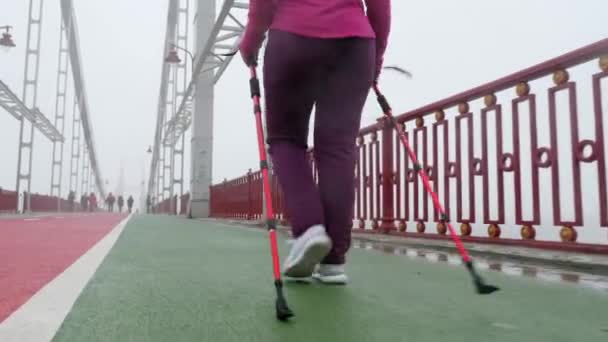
(305, 280)
(340, 279)
(314, 251)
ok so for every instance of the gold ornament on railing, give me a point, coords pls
(568, 234)
(528, 232)
(375, 225)
(439, 115)
(441, 228)
(402, 226)
(604, 63)
(560, 77)
(419, 122)
(494, 231)
(489, 100)
(463, 108)
(522, 89)
(420, 227)
(465, 229)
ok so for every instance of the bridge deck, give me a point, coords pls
(171, 279)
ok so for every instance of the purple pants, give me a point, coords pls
(335, 76)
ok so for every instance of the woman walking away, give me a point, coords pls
(326, 54)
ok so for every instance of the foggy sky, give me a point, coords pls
(450, 46)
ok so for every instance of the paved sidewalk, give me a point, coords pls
(173, 279)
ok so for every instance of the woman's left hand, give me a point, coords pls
(250, 56)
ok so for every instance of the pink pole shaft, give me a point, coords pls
(425, 180)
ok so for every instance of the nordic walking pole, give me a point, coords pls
(282, 310)
(480, 285)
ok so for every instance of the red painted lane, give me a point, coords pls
(34, 251)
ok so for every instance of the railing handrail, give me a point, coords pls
(532, 73)
(564, 61)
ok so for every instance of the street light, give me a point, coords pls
(173, 57)
(7, 39)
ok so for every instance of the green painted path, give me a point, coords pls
(171, 279)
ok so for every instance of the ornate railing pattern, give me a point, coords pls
(511, 160)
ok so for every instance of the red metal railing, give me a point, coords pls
(511, 160)
(44, 203)
(242, 198)
(173, 206)
(39, 203)
(8, 201)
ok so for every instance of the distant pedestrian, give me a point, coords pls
(84, 202)
(92, 202)
(121, 203)
(110, 202)
(71, 200)
(130, 203)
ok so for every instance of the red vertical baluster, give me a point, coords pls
(377, 181)
(530, 99)
(465, 115)
(249, 197)
(366, 182)
(491, 106)
(388, 210)
(420, 129)
(397, 179)
(441, 126)
(407, 179)
(600, 146)
(360, 179)
(576, 156)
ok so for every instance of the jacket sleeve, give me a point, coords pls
(379, 15)
(261, 13)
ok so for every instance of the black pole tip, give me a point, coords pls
(481, 287)
(484, 289)
(284, 313)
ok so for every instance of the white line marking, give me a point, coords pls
(39, 319)
(32, 219)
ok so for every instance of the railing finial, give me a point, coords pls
(568, 234)
(522, 89)
(604, 62)
(528, 232)
(489, 100)
(439, 115)
(465, 229)
(494, 231)
(560, 77)
(463, 108)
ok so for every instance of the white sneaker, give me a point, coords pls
(331, 274)
(306, 252)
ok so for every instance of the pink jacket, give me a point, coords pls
(319, 19)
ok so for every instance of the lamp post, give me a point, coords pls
(7, 39)
(173, 57)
